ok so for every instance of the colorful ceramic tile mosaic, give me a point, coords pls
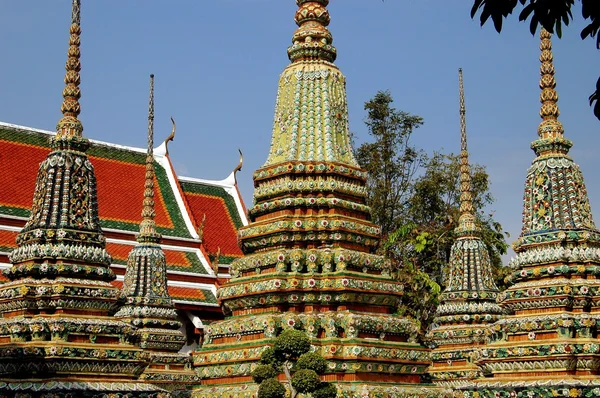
(147, 304)
(55, 308)
(468, 304)
(309, 261)
(548, 345)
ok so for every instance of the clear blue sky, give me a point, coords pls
(217, 65)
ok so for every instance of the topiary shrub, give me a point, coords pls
(312, 361)
(305, 380)
(271, 388)
(264, 372)
(325, 390)
(291, 344)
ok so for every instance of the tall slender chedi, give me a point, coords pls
(468, 305)
(55, 332)
(147, 304)
(309, 260)
(548, 346)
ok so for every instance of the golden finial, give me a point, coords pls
(171, 137)
(201, 228)
(216, 260)
(148, 225)
(466, 222)
(69, 126)
(550, 127)
(239, 166)
(312, 41)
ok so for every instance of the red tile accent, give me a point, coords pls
(219, 230)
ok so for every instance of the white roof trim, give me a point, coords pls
(10, 228)
(164, 162)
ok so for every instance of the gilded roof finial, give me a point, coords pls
(466, 222)
(69, 128)
(171, 137)
(148, 225)
(312, 41)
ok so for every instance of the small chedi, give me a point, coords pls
(56, 335)
(468, 304)
(309, 261)
(147, 303)
(548, 345)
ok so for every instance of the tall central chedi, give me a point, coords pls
(309, 260)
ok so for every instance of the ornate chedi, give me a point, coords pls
(549, 346)
(468, 305)
(56, 335)
(147, 303)
(309, 260)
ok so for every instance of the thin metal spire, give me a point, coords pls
(70, 126)
(148, 225)
(466, 222)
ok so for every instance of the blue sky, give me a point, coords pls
(217, 65)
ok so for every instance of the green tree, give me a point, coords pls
(291, 356)
(419, 230)
(434, 208)
(550, 14)
(390, 160)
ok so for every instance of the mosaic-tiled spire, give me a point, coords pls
(468, 303)
(64, 224)
(311, 112)
(310, 261)
(547, 345)
(147, 300)
(148, 225)
(555, 193)
(56, 334)
(470, 268)
(312, 41)
(466, 222)
(69, 130)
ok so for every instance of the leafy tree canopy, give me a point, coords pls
(416, 200)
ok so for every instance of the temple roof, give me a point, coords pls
(181, 203)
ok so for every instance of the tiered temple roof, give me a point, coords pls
(185, 208)
(548, 346)
(309, 260)
(468, 304)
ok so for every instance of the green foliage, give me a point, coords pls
(268, 357)
(390, 160)
(271, 388)
(305, 380)
(551, 15)
(325, 390)
(312, 361)
(264, 372)
(419, 232)
(290, 344)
